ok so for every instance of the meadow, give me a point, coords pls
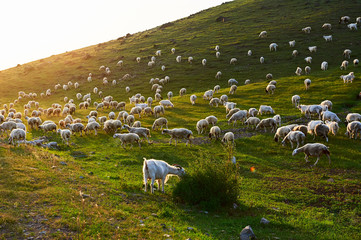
(93, 188)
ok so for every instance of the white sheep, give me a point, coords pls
(179, 133)
(231, 112)
(247, 81)
(65, 135)
(127, 89)
(270, 89)
(233, 89)
(311, 126)
(166, 103)
(281, 133)
(306, 29)
(307, 83)
(252, 112)
(212, 120)
(308, 59)
(218, 54)
(347, 53)
(228, 138)
(215, 132)
(170, 95)
(312, 49)
(294, 53)
(296, 100)
(208, 94)
(324, 66)
(252, 121)
(17, 135)
(355, 62)
(269, 76)
(278, 119)
(327, 26)
(315, 110)
(263, 34)
(182, 92)
(313, 149)
(158, 110)
(330, 116)
(48, 127)
(273, 47)
(261, 60)
(353, 128)
(307, 70)
(352, 26)
(229, 106)
(292, 43)
(233, 61)
(267, 123)
(238, 116)
(294, 137)
(202, 125)
(160, 122)
(328, 38)
(141, 131)
(93, 126)
(204, 62)
(76, 127)
(333, 126)
(193, 99)
(218, 75)
(353, 117)
(263, 109)
(216, 88)
(224, 99)
(127, 138)
(344, 65)
(159, 170)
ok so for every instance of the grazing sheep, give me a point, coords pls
(333, 126)
(249, 53)
(190, 60)
(330, 116)
(231, 112)
(294, 136)
(252, 112)
(204, 62)
(344, 65)
(65, 135)
(312, 49)
(16, 135)
(218, 54)
(314, 110)
(355, 62)
(261, 60)
(224, 99)
(313, 149)
(214, 101)
(212, 120)
(273, 47)
(111, 115)
(344, 19)
(229, 106)
(308, 59)
(232, 81)
(322, 131)
(182, 92)
(267, 123)
(281, 133)
(327, 26)
(294, 53)
(130, 120)
(166, 103)
(263, 109)
(296, 100)
(278, 119)
(216, 88)
(269, 76)
(353, 117)
(348, 78)
(324, 66)
(353, 128)
(48, 127)
(218, 75)
(292, 43)
(170, 95)
(127, 89)
(159, 170)
(263, 34)
(193, 98)
(270, 88)
(215, 132)
(247, 81)
(311, 126)
(328, 38)
(233, 89)
(202, 125)
(306, 29)
(158, 110)
(92, 126)
(228, 138)
(307, 83)
(216, 48)
(352, 26)
(347, 53)
(253, 121)
(127, 138)
(160, 122)
(307, 70)
(142, 132)
(233, 61)
(301, 128)
(76, 127)
(179, 133)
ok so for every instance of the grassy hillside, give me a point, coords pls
(40, 189)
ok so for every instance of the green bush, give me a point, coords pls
(209, 184)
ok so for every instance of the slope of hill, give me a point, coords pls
(301, 202)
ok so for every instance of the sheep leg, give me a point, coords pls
(145, 183)
(292, 144)
(95, 132)
(152, 186)
(318, 158)
(306, 158)
(329, 159)
(122, 144)
(139, 145)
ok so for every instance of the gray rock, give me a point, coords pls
(247, 233)
(264, 221)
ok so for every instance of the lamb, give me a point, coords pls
(313, 149)
(179, 133)
(193, 98)
(215, 132)
(330, 116)
(158, 110)
(212, 120)
(273, 46)
(347, 53)
(160, 122)
(333, 126)
(238, 116)
(312, 49)
(48, 127)
(307, 70)
(278, 119)
(353, 128)
(159, 170)
(252, 112)
(76, 127)
(228, 138)
(65, 135)
(292, 43)
(182, 92)
(166, 103)
(263, 34)
(328, 38)
(324, 66)
(233, 89)
(281, 133)
(142, 132)
(306, 29)
(268, 122)
(352, 26)
(344, 65)
(270, 88)
(308, 59)
(92, 126)
(265, 109)
(233, 61)
(307, 83)
(353, 117)
(17, 134)
(322, 131)
(296, 100)
(294, 136)
(127, 138)
(137, 124)
(254, 121)
(327, 26)
(214, 101)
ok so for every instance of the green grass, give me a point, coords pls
(299, 200)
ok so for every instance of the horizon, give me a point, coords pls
(44, 31)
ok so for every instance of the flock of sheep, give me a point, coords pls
(11, 120)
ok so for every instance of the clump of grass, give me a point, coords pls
(210, 184)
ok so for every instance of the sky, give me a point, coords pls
(31, 30)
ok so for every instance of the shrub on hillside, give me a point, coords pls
(209, 184)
